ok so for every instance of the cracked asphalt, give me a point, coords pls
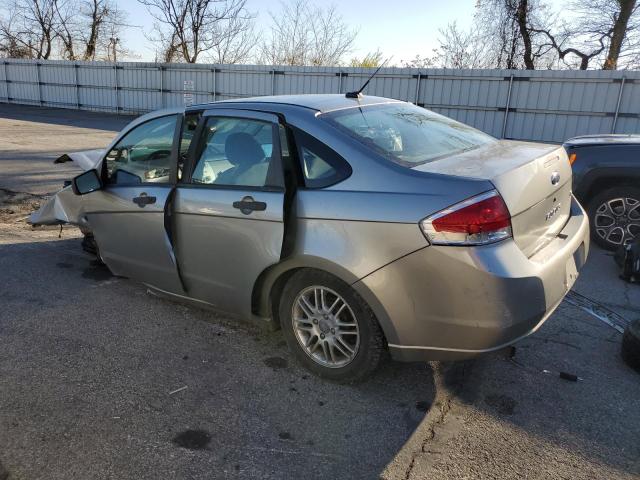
(93, 370)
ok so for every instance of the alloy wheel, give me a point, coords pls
(617, 220)
(325, 326)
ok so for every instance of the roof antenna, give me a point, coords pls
(358, 93)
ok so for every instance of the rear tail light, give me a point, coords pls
(477, 221)
(572, 158)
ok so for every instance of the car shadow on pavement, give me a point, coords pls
(102, 379)
(64, 116)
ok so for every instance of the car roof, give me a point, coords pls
(318, 102)
(604, 139)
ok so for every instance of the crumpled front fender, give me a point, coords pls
(64, 207)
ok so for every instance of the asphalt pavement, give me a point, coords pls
(99, 379)
(31, 138)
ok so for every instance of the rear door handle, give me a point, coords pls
(143, 200)
(248, 205)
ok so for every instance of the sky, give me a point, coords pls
(401, 29)
(408, 29)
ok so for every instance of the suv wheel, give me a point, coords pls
(614, 216)
(329, 327)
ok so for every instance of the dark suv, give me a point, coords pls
(606, 180)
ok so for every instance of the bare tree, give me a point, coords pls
(622, 28)
(167, 46)
(611, 24)
(68, 29)
(196, 27)
(506, 27)
(30, 26)
(109, 43)
(603, 30)
(418, 62)
(459, 49)
(237, 40)
(303, 34)
(97, 13)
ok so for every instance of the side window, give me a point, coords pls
(321, 166)
(143, 154)
(237, 151)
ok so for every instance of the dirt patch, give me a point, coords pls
(16, 206)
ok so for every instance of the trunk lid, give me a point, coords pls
(533, 179)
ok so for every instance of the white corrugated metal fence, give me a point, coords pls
(536, 105)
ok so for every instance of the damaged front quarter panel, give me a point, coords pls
(86, 159)
(65, 206)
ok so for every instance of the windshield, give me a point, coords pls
(407, 134)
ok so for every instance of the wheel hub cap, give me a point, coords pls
(325, 327)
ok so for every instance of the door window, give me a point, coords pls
(143, 154)
(237, 152)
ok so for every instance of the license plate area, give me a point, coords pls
(573, 265)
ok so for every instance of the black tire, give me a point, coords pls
(630, 349)
(371, 346)
(600, 199)
(90, 246)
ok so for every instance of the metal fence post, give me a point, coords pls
(615, 116)
(38, 80)
(115, 74)
(214, 83)
(417, 89)
(161, 70)
(6, 81)
(506, 108)
(75, 71)
(340, 81)
(273, 82)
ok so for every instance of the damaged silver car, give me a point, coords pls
(357, 225)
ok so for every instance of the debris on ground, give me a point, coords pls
(597, 310)
(178, 390)
(563, 375)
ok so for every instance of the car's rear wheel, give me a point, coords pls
(614, 216)
(329, 327)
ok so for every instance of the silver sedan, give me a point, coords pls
(357, 225)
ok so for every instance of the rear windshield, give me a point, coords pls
(407, 134)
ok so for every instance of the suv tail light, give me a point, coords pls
(476, 221)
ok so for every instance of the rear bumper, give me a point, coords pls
(457, 302)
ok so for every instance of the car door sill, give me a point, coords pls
(262, 322)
